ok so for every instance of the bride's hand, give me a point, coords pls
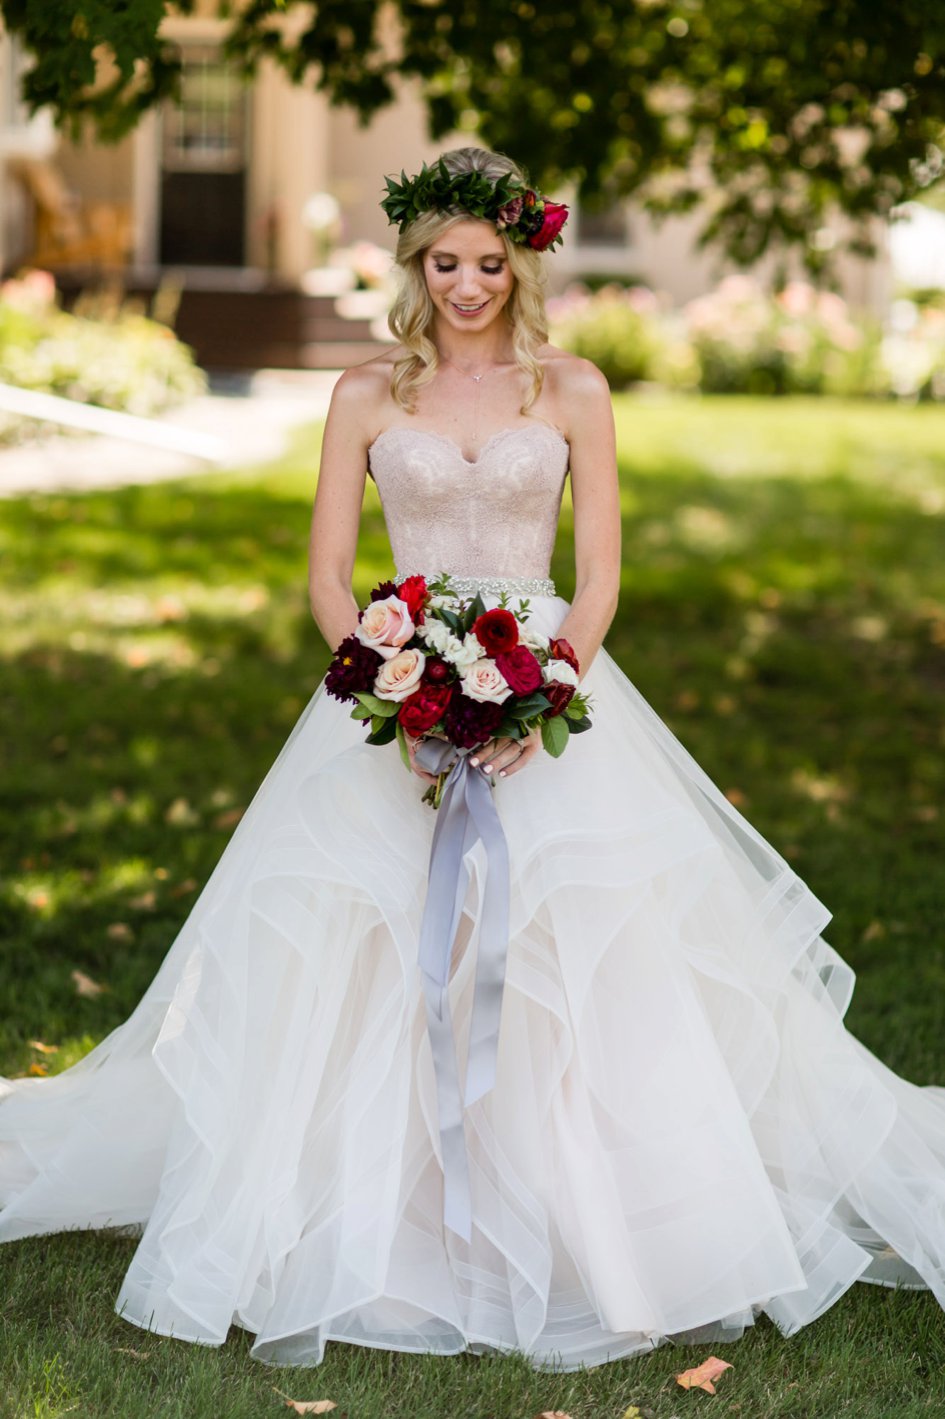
(412, 751)
(507, 756)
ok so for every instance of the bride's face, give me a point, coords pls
(468, 275)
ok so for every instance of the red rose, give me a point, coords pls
(520, 668)
(413, 591)
(421, 710)
(563, 650)
(559, 695)
(554, 217)
(496, 631)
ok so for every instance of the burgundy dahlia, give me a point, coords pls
(354, 667)
(383, 590)
(469, 723)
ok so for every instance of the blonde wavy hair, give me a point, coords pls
(411, 316)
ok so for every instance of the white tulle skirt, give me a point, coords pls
(682, 1133)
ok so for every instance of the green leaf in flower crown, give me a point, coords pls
(554, 735)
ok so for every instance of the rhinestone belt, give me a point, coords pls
(493, 585)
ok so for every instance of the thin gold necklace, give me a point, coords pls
(477, 378)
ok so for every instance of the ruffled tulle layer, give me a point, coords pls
(682, 1134)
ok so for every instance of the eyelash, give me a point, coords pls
(487, 270)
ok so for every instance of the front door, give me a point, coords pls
(204, 155)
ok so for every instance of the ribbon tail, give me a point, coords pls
(457, 1202)
(447, 879)
(493, 944)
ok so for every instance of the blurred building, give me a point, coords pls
(205, 199)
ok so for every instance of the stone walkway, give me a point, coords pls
(253, 414)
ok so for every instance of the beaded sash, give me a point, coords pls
(493, 585)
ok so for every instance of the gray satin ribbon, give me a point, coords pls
(467, 813)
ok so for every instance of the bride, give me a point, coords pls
(681, 1135)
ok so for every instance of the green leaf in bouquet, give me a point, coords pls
(578, 726)
(554, 735)
(452, 620)
(476, 608)
(361, 712)
(509, 729)
(531, 705)
(385, 708)
(402, 743)
(382, 731)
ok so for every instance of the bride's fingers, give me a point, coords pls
(528, 748)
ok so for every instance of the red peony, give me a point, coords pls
(559, 694)
(520, 668)
(563, 650)
(496, 631)
(554, 217)
(421, 710)
(413, 591)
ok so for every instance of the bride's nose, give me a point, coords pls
(467, 283)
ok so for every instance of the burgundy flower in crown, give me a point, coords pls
(524, 215)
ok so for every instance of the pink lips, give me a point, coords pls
(469, 314)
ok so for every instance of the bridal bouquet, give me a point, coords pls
(426, 662)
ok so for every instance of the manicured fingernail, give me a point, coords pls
(502, 773)
(475, 762)
(487, 767)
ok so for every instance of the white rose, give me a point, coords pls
(532, 639)
(484, 681)
(560, 670)
(467, 651)
(386, 626)
(400, 676)
(436, 633)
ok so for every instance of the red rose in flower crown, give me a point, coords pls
(496, 631)
(561, 649)
(520, 668)
(413, 591)
(554, 217)
(424, 707)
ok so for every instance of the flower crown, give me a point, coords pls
(522, 213)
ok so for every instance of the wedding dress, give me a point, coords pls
(682, 1133)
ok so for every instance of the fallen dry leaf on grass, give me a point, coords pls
(701, 1376)
(36, 1068)
(552, 1414)
(138, 1354)
(85, 985)
(308, 1406)
(43, 1047)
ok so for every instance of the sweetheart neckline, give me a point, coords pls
(470, 462)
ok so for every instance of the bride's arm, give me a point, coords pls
(595, 494)
(336, 514)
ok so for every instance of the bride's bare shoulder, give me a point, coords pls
(570, 375)
(371, 378)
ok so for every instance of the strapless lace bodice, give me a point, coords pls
(495, 515)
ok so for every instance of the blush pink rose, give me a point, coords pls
(399, 676)
(386, 626)
(484, 681)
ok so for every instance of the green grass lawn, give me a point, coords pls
(783, 610)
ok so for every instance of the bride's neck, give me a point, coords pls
(477, 350)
